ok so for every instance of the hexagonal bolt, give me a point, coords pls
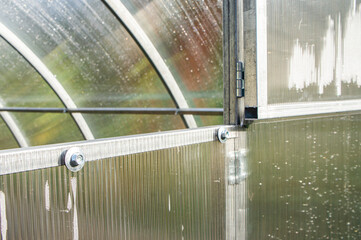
(223, 134)
(74, 159)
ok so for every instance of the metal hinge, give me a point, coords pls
(240, 80)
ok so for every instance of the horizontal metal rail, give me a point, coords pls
(166, 111)
(33, 158)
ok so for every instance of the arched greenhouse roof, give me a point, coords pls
(73, 70)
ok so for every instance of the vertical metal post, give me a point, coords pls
(233, 52)
(234, 114)
(236, 187)
(241, 197)
(240, 65)
(229, 61)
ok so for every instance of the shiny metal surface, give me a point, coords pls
(48, 76)
(222, 134)
(150, 50)
(167, 111)
(173, 193)
(26, 159)
(305, 178)
(74, 159)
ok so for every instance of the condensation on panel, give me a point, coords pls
(88, 50)
(7, 140)
(20, 84)
(314, 50)
(305, 180)
(176, 193)
(188, 35)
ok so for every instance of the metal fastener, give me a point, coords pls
(74, 159)
(223, 134)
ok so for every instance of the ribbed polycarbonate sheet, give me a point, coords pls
(87, 49)
(313, 50)
(188, 35)
(174, 193)
(305, 180)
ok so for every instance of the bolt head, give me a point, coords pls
(74, 159)
(223, 134)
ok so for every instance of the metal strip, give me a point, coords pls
(13, 127)
(32, 158)
(166, 111)
(40, 67)
(229, 62)
(300, 109)
(153, 55)
(261, 21)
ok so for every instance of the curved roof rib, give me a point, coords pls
(13, 127)
(30, 56)
(153, 55)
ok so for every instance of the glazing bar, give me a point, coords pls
(166, 111)
(300, 109)
(32, 158)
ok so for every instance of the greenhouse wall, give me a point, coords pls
(110, 116)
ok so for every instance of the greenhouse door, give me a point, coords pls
(171, 185)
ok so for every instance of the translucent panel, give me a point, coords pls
(113, 125)
(188, 35)
(168, 194)
(209, 120)
(314, 51)
(305, 180)
(7, 140)
(48, 128)
(88, 50)
(21, 85)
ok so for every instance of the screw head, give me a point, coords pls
(74, 159)
(223, 134)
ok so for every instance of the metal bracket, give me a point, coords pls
(240, 80)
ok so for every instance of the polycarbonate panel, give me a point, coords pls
(113, 125)
(305, 180)
(7, 140)
(314, 51)
(21, 85)
(188, 35)
(47, 128)
(208, 120)
(89, 52)
(167, 194)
